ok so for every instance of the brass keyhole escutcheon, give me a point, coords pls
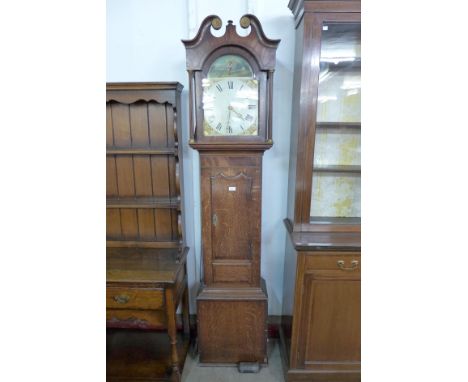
(215, 220)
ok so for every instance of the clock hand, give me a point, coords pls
(228, 124)
(236, 112)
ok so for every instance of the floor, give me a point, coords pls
(271, 373)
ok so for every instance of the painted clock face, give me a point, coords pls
(230, 98)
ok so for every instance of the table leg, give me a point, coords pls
(172, 332)
(185, 313)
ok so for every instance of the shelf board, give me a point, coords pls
(142, 151)
(142, 355)
(338, 125)
(342, 65)
(143, 202)
(142, 244)
(338, 168)
(334, 220)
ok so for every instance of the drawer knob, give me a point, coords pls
(341, 265)
(122, 299)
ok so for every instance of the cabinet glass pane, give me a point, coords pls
(336, 182)
(336, 195)
(337, 146)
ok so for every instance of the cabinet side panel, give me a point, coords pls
(295, 121)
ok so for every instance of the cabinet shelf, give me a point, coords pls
(338, 168)
(338, 125)
(143, 202)
(342, 65)
(142, 151)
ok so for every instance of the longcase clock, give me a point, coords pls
(230, 100)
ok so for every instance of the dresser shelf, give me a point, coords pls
(142, 151)
(143, 202)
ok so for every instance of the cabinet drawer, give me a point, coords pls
(134, 298)
(345, 261)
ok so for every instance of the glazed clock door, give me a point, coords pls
(230, 98)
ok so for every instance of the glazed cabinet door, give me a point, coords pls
(330, 313)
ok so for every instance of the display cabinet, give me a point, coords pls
(320, 331)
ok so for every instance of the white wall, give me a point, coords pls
(143, 44)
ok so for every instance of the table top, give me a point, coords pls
(144, 265)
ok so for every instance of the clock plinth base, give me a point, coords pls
(232, 324)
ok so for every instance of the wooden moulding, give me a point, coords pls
(130, 92)
(299, 7)
(323, 240)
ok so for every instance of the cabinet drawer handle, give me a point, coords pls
(341, 265)
(122, 299)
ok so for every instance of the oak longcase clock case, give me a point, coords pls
(230, 98)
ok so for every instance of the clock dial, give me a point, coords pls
(230, 106)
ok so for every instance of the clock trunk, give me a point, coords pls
(231, 205)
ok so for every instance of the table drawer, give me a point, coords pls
(134, 298)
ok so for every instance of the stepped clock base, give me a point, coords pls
(232, 325)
